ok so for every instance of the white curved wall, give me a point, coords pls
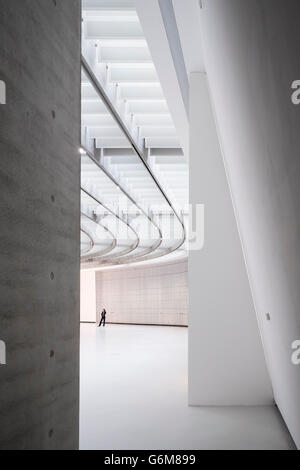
(155, 294)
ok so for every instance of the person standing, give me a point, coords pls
(103, 317)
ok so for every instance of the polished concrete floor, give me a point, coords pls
(134, 396)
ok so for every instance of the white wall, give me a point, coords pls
(226, 361)
(154, 294)
(252, 56)
(87, 296)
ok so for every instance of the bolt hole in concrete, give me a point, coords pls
(52, 276)
(50, 434)
(53, 114)
(53, 198)
(51, 354)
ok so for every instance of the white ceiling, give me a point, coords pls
(117, 51)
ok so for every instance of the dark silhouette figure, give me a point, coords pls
(103, 317)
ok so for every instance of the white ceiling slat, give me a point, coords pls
(125, 75)
(93, 107)
(105, 29)
(120, 54)
(162, 142)
(112, 142)
(94, 120)
(141, 92)
(146, 107)
(155, 120)
(109, 5)
(157, 131)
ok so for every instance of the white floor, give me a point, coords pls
(134, 396)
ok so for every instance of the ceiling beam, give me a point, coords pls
(150, 14)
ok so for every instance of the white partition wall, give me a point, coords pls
(87, 296)
(226, 360)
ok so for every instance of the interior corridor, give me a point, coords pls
(134, 396)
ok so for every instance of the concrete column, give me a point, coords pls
(226, 361)
(39, 223)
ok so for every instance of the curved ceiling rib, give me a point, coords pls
(106, 250)
(121, 258)
(129, 197)
(130, 146)
(117, 258)
(90, 242)
(135, 244)
(114, 113)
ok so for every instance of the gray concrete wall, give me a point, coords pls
(252, 56)
(39, 223)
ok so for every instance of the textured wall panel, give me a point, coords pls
(156, 294)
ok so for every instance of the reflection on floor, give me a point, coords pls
(134, 396)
